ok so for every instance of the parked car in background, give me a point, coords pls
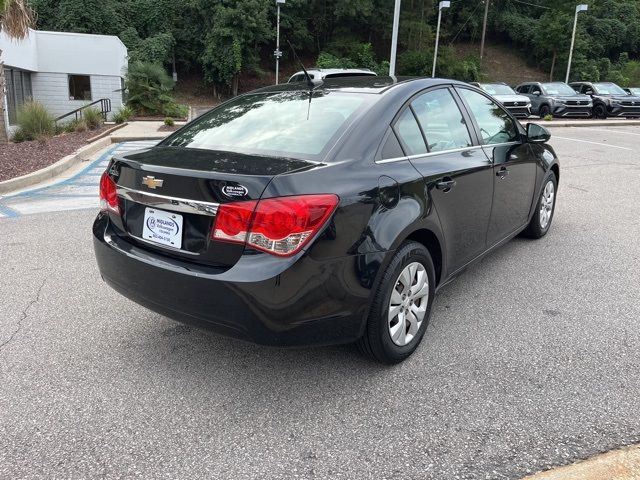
(518, 105)
(609, 100)
(555, 98)
(633, 90)
(296, 216)
(323, 73)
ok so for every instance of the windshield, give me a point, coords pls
(609, 89)
(497, 89)
(558, 89)
(635, 91)
(279, 124)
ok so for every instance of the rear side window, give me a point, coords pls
(441, 121)
(409, 133)
(275, 124)
(496, 126)
(391, 147)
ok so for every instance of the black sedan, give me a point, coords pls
(323, 214)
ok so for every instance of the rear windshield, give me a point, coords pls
(277, 124)
(609, 89)
(558, 89)
(497, 89)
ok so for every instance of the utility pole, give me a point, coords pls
(484, 28)
(277, 52)
(394, 39)
(579, 8)
(441, 5)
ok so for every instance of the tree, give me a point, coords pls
(15, 19)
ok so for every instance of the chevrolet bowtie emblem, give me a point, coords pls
(152, 182)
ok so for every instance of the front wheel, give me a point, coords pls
(401, 306)
(544, 111)
(599, 111)
(541, 220)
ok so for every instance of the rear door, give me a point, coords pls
(458, 176)
(514, 166)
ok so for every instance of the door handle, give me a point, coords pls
(445, 184)
(503, 172)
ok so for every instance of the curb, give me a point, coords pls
(622, 464)
(53, 170)
(107, 132)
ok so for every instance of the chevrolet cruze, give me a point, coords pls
(323, 213)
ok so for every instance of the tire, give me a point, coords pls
(544, 111)
(377, 341)
(540, 223)
(599, 111)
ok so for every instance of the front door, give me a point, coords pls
(514, 167)
(458, 176)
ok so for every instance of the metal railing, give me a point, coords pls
(105, 108)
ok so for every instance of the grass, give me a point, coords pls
(34, 123)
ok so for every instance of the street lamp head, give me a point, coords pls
(280, 2)
(582, 8)
(444, 4)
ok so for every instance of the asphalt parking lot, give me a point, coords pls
(531, 360)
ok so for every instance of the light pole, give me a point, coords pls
(277, 53)
(394, 39)
(441, 5)
(484, 28)
(579, 8)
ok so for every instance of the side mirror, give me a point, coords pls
(537, 93)
(537, 133)
(588, 92)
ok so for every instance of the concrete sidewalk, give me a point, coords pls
(140, 130)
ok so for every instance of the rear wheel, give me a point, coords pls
(401, 307)
(541, 221)
(599, 111)
(544, 111)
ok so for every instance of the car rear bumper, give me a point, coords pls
(263, 299)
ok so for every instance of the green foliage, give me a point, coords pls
(355, 55)
(169, 122)
(122, 115)
(548, 117)
(420, 63)
(92, 117)
(34, 122)
(176, 110)
(149, 88)
(76, 125)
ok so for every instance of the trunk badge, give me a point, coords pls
(236, 190)
(152, 182)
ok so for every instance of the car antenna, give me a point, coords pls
(310, 83)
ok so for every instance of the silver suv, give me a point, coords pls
(555, 98)
(518, 105)
(322, 73)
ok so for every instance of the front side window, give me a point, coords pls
(79, 87)
(523, 89)
(496, 126)
(441, 121)
(284, 123)
(409, 132)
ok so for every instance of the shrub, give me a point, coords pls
(122, 115)
(169, 122)
(149, 88)
(35, 122)
(92, 117)
(176, 110)
(76, 125)
(19, 136)
(548, 117)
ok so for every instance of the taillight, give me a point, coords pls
(280, 226)
(108, 194)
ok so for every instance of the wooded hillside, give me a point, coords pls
(220, 39)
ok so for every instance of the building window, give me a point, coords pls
(18, 91)
(79, 87)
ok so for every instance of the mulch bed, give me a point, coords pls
(18, 159)
(168, 128)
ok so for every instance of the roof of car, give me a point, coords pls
(363, 84)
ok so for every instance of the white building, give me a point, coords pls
(63, 71)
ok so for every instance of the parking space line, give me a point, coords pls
(593, 143)
(7, 212)
(610, 130)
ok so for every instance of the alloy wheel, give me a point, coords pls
(546, 204)
(408, 303)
